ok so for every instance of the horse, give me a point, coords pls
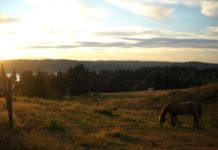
(175, 108)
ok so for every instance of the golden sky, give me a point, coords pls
(158, 30)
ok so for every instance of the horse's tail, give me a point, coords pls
(199, 110)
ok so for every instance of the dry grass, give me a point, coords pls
(105, 121)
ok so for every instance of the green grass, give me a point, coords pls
(126, 120)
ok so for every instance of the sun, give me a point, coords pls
(8, 54)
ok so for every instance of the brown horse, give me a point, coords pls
(181, 108)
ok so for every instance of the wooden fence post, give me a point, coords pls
(7, 89)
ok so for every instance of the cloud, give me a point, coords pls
(190, 3)
(209, 8)
(4, 18)
(98, 13)
(144, 8)
(141, 32)
(212, 31)
(131, 32)
(176, 43)
(142, 43)
(70, 9)
(134, 37)
(60, 20)
(157, 43)
(44, 46)
(163, 9)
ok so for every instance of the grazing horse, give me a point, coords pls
(181, 108)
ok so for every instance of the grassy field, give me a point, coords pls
(118, 121)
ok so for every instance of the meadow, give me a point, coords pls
(110, 121)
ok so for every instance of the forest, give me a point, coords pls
(79, 80)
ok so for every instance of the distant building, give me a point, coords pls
(150, 89)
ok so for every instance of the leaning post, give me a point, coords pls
(7, 90)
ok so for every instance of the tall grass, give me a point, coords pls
(109, 121)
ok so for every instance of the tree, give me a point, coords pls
(40, 86)
(33, 84)
(78, 79)
(57, 85)
(104, 81)
(14, 76)
(25, 86)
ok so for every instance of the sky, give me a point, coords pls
(142, 30)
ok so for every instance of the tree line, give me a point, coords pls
(79, 80)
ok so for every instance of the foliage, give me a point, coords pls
(57, 85)
(78, 80)
(33, 85)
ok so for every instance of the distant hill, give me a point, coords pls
(56, 65)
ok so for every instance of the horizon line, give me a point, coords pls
(101, 60)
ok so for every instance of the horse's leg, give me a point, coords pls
(175, 120)
(172, 120)
(195, 121)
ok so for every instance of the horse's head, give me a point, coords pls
(162, 120)
(162, 117)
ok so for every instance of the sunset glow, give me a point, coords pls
(159, 30)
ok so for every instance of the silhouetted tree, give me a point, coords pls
(33, 85)
(14, 76)
(40, 86)
(104, 81)
(58, 85)
(25, 87)
(78, 79)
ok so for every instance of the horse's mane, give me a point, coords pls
(166, 105)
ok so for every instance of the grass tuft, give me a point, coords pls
(55, 125)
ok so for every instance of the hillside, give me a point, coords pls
(63, 65)
(115, 121)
